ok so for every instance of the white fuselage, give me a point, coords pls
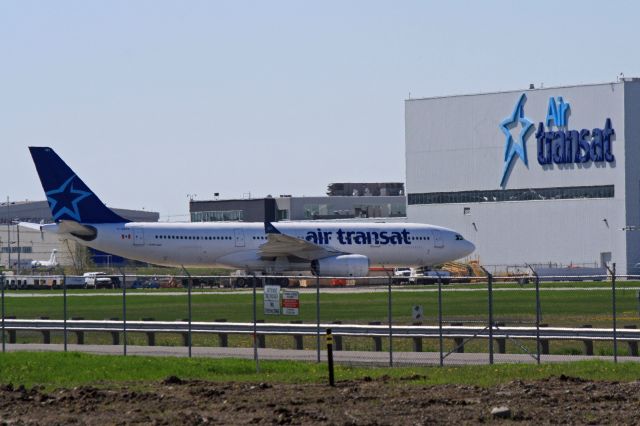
(237, 245)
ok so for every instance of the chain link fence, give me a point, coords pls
(385, 320)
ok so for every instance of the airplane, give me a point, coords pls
(327, 249)
(51, 263)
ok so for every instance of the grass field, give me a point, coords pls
(54, 370)
(571, 307)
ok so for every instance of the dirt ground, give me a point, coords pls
(364, 402)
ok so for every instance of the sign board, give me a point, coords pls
(417, 312)
(290, 302)
(272, 300)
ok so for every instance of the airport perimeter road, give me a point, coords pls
(343, 357)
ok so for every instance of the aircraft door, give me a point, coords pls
(239, 237)
(438, 242)
(138, 236)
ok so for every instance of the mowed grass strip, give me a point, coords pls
(55, 370)
(559, 308)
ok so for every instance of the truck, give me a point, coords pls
(420, 276)
(97, 280)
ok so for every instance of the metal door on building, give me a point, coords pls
(239, 236)
(138, 236)
(437, 239)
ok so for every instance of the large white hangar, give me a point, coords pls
(538, 176)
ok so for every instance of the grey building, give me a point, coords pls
(531, 176)
(286, 207)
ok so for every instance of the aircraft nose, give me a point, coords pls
(468, 248)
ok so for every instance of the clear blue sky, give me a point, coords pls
(152, 100)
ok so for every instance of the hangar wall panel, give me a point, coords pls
(456, 144)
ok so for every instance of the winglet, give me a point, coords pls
(270, 229)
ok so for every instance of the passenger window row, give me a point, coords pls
(188, 237)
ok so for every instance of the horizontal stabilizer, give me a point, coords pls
(85, 232)
(29, 225)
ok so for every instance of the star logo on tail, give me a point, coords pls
(513, 148)
(64, 200)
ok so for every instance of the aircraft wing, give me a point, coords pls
(279, 244)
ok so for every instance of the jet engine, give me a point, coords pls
(344, 265)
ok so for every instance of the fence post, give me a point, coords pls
(538, 313)
(612, 271)
(318, 317)
(124, 313)
(3, 325)
(255, 324)
(64, 297)
(189, 285)
(440, 336)
(490, 298)
(390, 315)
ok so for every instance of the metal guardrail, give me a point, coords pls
(549, 333)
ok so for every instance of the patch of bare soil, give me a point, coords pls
(365, 402)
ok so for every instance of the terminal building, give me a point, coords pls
(536, 176)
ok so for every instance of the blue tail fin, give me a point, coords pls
(69, 198)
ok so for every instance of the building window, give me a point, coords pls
(218, 216)
(525, 194)
(23, 249)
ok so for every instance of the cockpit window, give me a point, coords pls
(459, 237)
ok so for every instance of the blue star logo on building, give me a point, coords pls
(515, 148)
(65, 199)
